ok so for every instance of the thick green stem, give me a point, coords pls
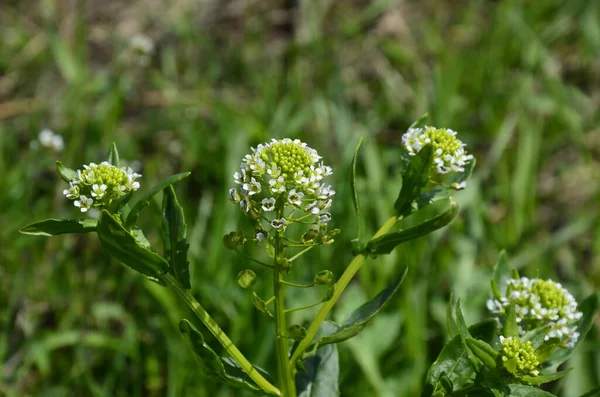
(339, 287)
(284, 375)
(214, 329)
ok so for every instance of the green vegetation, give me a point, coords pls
(519, 81)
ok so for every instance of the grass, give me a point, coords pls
(519, 81)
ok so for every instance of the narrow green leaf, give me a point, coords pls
(414, 180)
(511, 328)
(588, 307)
(502, 271)
(321, 378)
(127, 249)
(594, 392)
(542, 379)
(420, 122)
(536, 336)
(53, 227)
(68, 65)
(174, 237)
(353, 179)
(221, 369)
(358, 319)
(483, 351)
(65, 173)
(386, 243)
(113, 155)
(527, 391)
(453, 360)
(145, 201)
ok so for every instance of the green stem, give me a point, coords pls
(303, 307)
(284, 375)
(223, 339)
(296, 285)
(299, 254)
(339, 287)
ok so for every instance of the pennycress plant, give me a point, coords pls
(282, 188)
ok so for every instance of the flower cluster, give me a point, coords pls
(50, 140)
(99, 184)
(539, 303)
(519, 357)
(449, 151)
(283, 177)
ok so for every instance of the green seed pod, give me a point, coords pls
(234, 240)
(324, 277)
(309, 237)
(246, 278)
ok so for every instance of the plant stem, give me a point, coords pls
(223, 339)
(339, 287)
(284, 375)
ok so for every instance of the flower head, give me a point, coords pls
(539, 303)
(518, 357)
(97, 185)
(449, 151)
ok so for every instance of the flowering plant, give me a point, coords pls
(282, 188)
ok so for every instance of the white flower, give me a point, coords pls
(268, 204)
(261, 236)
(324, 218)
(278, 223)
(313, 207)
(459, 186)
(234, 195)
(295, 198)
(245, 204)
(142, 43)
(98, 190)
(73, 190)
(277, 185)
(84, 203)
(253, 187)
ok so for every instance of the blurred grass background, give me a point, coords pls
(519, 80)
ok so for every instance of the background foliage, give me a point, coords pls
(519, 80)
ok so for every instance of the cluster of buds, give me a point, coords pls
(100, 184)
(283, 182)
(539, 303)
(519, 357)
(448, 151)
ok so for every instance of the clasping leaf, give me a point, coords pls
(53, 227)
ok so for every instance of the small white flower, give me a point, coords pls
(245, 204)
(261, 236)
(84, 203)
(295, 198)
(73, 190)
(98, 190)
(57, 143)
(253, 187)
(313, 207)
(240, 177)
(234, 196)
(45, 137)
(131, 184)
(142, 43)
(277, 185)
(459, 186)
(268, 204)
(324, 218)
(278, 223)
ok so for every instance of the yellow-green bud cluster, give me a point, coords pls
(518, 357)
(449, 151)
(539, 303)
(285, 171)
(100, 184)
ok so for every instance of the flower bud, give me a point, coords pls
(246, 278)
(234, 240)
(324, 277)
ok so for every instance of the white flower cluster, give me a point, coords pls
(50, 140)
(99, 184)
(449, 151)
(285, 170)
(539, 303)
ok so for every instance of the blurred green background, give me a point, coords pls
(191, 85)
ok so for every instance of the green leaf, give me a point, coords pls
(65, 173)
(386, 243)
(502, 271)
(174, 237)
(594, 392)
(483, 351)
(69, 66)
(127, 249)
(113, 155)
(221, 369)
(588, 307)
(527, 391)
(145, 201)
(414, 180)
(545, 378)
(511, 328)
(421, 122)
(536, 336)
(458, 177)
(358, 319)
(321, 378)
(453, 360)
(353, 178)
(53, 227)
